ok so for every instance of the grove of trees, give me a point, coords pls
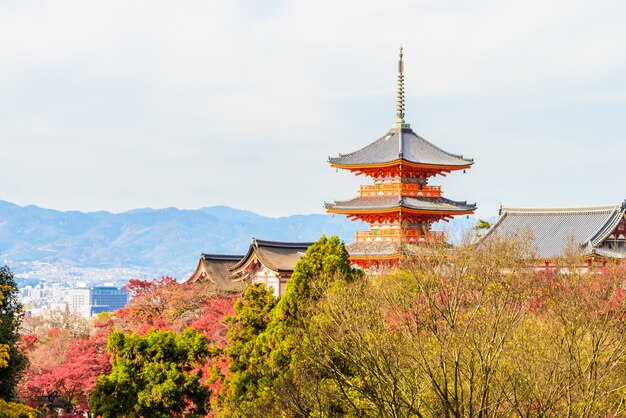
(470, 331)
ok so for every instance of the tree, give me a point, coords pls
(482, 225)
(16, 410)
(64, 367)
(263, 379)
(250, 320)
(469, 332)
(11, 314)
(154, 375)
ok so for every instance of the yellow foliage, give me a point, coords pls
(16, 410)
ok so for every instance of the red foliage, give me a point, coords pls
(137, 287)
(28, 341)
(64, 367)
(66, 380)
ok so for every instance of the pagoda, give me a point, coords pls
(400, 205)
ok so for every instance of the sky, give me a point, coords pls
(114, 105)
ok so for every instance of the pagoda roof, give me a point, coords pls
(275, 255)
(553, 229)
(401, 144)
(377, 203)
(214, 268)
(390, 249)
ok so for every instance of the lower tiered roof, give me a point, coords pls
(362, 204)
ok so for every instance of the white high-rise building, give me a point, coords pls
(79, 301)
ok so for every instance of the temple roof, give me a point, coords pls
(401, 144)
(391, 249)
(553, 229)
(373, 248)
(213, 268)
(276, 256)
(374, 203)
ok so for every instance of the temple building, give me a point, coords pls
(597, 233)
(214, 269)
(400, 205)
(267, 262)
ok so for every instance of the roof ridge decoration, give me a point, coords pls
(221, 257)
(280, 244)
(559, 210)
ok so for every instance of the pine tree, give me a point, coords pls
(153, 375)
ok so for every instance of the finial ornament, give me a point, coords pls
(400, 104)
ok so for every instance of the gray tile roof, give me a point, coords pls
(213, 268)
(552, 230)
(401, 144)
(388, 202)
(275, 255)
(389, 248)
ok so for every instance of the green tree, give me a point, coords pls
(244, 368)
(155, 375)
(265, 381)
(482, 225)
(11, 315)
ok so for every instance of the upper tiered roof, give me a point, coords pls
(553, 229)
(401, 145)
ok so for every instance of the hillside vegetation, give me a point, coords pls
(464, 332)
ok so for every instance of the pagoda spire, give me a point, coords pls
(400, 104)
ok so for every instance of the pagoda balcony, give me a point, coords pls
(404, 189)
(393, 234)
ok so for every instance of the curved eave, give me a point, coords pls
(244, 260)
(196, 274)
(402, 162)
(604, 232)
(375, 257)
(400, 208)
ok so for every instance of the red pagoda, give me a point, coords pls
(400, 205)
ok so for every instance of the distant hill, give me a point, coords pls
(167, 240)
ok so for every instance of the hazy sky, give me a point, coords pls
(122, 104)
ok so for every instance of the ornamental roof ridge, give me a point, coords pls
(559, 210)
(221, 257)
(281, 244)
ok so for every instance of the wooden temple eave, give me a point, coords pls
(401, 168)
(398, 213)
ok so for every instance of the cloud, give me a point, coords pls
(149, 102)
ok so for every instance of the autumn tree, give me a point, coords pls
(11, 315)
(64, 366)
(155, 375)
(10, 409)
(474, 331)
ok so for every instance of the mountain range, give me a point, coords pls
(167, 240)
